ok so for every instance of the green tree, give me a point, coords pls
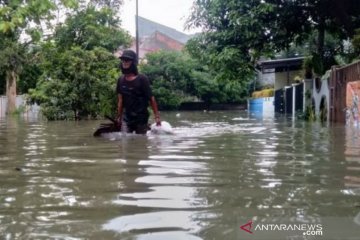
(356, 43)
(112, 4)
(176, 78)
(243, 30)
(171, 77)
(80, 84)
(16, 19)
(79, 68)
(91, 27)
(335, 52)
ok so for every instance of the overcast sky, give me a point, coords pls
(171, 13)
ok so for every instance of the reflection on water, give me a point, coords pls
(219, 170)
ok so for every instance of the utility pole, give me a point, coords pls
(137, 29)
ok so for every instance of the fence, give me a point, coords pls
(3, 105)
(290, 99)
(29, 111)
(339, 79)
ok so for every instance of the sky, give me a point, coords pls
(171, 13)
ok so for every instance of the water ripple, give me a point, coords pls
(218, 170)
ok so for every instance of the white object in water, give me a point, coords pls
(165, 128)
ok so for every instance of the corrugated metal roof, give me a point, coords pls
(285, 62)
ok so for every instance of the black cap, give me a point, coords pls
(129, 54)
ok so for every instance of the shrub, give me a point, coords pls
(263, 93)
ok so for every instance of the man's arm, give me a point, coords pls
(155, 111)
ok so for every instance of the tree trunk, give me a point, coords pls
(319, 60)
(11, 78)
(321, 38)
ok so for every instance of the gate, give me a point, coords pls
(299, 97)
(279, 103)
(288, 100)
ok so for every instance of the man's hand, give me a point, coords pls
(158, 120)
(118, 122)
(155, 111)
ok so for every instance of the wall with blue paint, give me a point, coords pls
(256, 105)
(261, 106)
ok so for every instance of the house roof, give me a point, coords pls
(281, 63)
(148, 27)
(158, 41)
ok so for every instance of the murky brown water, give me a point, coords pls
(219, 171)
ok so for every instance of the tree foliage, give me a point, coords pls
(250, 29)
(356, 43)
(111, 4)
(16, 19)
(77, 83)
(176, 78)
(91, 28)
(171, 77)
(79, 68)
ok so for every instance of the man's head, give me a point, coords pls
(129, 55)
(129, 62)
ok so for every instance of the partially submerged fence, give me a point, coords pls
(290, 99)
(339, 79)
(3, 105)
(28, 111)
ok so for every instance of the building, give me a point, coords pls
(279, 72)
(148, 27)
(155, 36)
(282, 74)
(155, 42)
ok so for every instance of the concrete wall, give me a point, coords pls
(30, 111)
(281, 78)
(278, 79)
(3, 105)
(318, 94)
(263, 107)
(266, 78)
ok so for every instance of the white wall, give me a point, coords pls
(317, 95)
(268, 107)
(3, 105)
(30, 111)
(266, 78)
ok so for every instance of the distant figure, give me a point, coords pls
(134, 96)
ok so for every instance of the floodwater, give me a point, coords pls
(220, 173)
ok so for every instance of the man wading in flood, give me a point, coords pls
(134, 96)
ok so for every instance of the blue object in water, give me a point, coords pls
(256, 105)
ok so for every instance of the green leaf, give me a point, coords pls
(70, 3)
(6, 27)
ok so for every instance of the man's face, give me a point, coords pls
(126, 63)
